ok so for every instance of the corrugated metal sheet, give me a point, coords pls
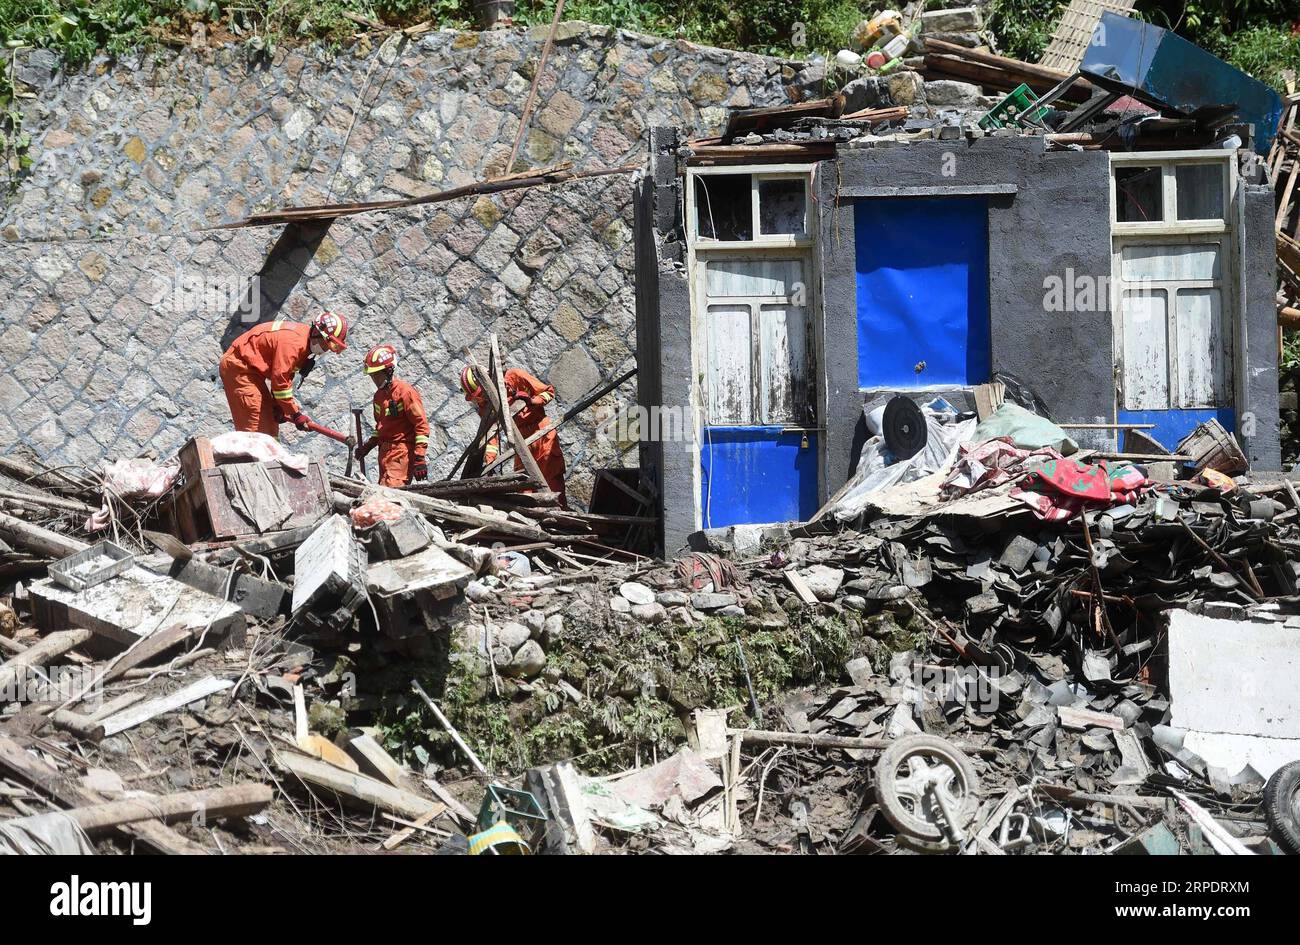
(1163, 69)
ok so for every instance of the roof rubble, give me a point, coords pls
(1017, 652)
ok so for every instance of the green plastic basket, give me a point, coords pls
(1012, 109)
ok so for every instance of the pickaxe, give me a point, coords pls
(356, 416)
(349, 441)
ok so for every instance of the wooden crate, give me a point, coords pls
(202, 510)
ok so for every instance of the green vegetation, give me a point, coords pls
(1261, 37)
(639, 687)
(1256, 35)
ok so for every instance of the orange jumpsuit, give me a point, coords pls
(402, 430)
(520, 385)
(269, 353)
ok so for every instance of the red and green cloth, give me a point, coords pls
(1059, 489)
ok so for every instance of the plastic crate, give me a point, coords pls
(93, 566)
(1012, 109)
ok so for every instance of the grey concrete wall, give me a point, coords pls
(1047, 213)
(104, 354)
(666, 317)
(1258, 382)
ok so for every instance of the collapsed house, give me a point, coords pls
(811, 263)
(1010, 649)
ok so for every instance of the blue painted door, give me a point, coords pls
(758, 456)
(922, 291)
(757, 474)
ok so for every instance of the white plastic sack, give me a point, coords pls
(258, 447)
(140, 478)
(875, 473)
(133, 479)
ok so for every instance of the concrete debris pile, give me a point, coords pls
(249, 623)
(933, 674)
(915, 75)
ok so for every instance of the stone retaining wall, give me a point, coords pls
(117, 303)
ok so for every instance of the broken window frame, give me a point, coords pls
(758, 174)
(1168, 162)
(1172, 231)
(702, 250)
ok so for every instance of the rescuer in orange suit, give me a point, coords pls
(271, 354)
(401, 428)
(529, 396)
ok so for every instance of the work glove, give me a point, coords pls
(364, 449)
(300, 420)
(420, 468)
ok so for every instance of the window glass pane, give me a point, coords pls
(1201, 350)
(768, 278)
(1171, 262)
(723, 207)
(730, 378)
(1139, 197)
(1146, 366)
(784, 395)
(781, 206)
(1200, 191)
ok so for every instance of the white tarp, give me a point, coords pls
(873, 474)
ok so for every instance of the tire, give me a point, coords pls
(1282, 806)
(911, 812)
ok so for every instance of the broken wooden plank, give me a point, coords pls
(498, 397)
(80, 725)
(49, 781)
(149, 648)
(531, 178)
(444, 510)
(39, 654)
(40, 540)
(409, 829)
(800, 586)
(178, 699)
(117, 704)
(455, 807)
(586, 401)
(755, 736)
(211, 804)
(47, 502)
(358, 787)
(370, 755)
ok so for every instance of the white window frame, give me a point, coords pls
(702, 249)
(1167, 161)
(1170, 230)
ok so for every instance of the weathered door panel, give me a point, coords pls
(1174, 343)
(759, 454)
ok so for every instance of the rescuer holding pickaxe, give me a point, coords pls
(271, 354)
